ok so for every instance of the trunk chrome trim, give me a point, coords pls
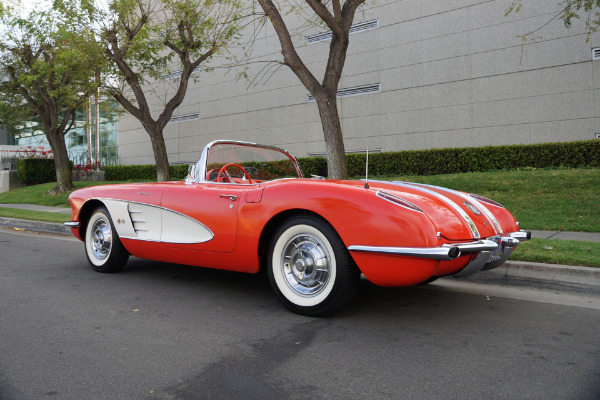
(446, 200)
(471, 199)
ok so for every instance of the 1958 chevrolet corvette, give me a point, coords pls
(245, 207)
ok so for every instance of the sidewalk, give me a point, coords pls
(35, 207)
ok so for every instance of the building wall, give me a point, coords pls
(452, 73)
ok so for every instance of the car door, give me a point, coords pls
(209, 205)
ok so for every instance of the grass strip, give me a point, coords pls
(555, 251)
(38, 194)
(34, 215)
(556, 200)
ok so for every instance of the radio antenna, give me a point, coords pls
(367, 170)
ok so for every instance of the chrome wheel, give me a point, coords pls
(305, 264)
(101, 240)
(102, 245)
(309, 267)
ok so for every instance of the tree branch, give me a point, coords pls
(290, 56)
(321, 10)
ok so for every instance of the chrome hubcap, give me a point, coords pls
(306, 264)
(101, 239)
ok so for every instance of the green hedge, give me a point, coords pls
(313, 166)
(478, 159)
(141, 172)
(36, 170)
(423, 162)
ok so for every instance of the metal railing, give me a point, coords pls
(9, 157)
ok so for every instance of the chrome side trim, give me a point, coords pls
(401, 202)
(71, 224)
(446, 200)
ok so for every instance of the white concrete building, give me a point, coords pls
(435, 73)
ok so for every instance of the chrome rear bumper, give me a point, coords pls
(72, 224)
(493, 252)
(444, 252)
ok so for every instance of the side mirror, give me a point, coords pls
(192, 175)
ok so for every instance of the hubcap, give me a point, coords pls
(306, 264)
(101, 239)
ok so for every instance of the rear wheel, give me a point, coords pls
(309, 267)
(103, 248)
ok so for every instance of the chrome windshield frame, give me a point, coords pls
(201, 165)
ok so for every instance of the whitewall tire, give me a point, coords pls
(310, 268)
(103, 248)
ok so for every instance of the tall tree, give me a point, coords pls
(147, 39)
(47, 62)
(338, 18)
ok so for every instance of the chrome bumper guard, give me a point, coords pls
(521, 236)
(493, 252)
(72, 224)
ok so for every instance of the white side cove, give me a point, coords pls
(153, 223)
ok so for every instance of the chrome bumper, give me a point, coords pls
(444, 252)
(72, 224)
(493, 252)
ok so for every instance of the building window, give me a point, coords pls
(361, 27)
(354, 91)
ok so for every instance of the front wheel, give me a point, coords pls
(309, 267)
(103, 248)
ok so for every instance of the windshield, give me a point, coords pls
(257, 162)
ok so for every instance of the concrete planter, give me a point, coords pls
(9, 181)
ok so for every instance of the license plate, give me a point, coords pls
(496, 254)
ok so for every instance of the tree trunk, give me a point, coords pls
(334, 140)
(163, 173)
(64, 182)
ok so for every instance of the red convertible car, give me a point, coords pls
(245, 206)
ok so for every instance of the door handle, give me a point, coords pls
(231, 197)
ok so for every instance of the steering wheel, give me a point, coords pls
(223, 169)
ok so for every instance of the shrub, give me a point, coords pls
(423, 162)
(478, 159)
(141, 172)
(313, 166)
(36, 170)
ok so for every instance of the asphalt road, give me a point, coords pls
(164, 331)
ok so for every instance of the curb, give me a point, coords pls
(36, 226)
(551, 276)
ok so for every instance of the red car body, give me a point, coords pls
(395, 233)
